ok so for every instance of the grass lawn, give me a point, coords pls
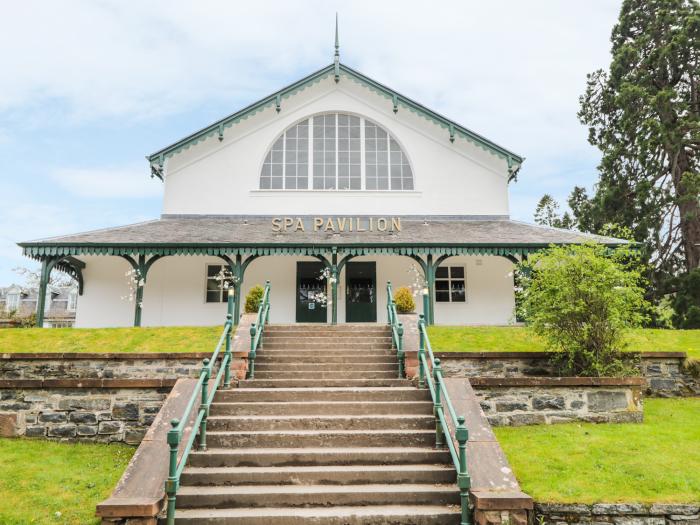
(204, 338)
(657, 461)
(43, 482)
(166, 339)
(520, 339)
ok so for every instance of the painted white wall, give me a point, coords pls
(175, 291)
(104, 302)
(215, 177)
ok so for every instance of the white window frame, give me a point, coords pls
(72, 304)
(223, 291)
(449, 280)
(16, 299)
(363, 158)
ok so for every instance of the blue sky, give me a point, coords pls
(89, 88)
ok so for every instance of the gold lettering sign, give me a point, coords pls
(337, 224)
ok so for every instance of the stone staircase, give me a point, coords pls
(325, 434)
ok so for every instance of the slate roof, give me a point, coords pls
(199, 230)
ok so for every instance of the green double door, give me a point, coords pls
(361, 292)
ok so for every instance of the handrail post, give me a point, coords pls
(267, 313)
(421, 350)
(400, 352)
(389, 300)
(437, 406)
(463, 480)
(227, 353)
(204, 406)
(171, 484)
(251, 354)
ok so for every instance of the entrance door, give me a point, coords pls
(361, 292)
(310, 283)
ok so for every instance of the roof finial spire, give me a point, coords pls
(336, 59)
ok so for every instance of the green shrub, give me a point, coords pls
(253, 299)
(581, 299)
(404, 301)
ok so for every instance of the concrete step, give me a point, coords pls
(321, 438)
(315, 327)
(325, 422)
(340, 515)
(318, 456)
(336, 336)
(330, 338)
(311, 366)
(316, 495)
(318, 393)
(350, 373)
(280, 357)
(305, 344)
(319, 475)
(312, 383)
(321, 408)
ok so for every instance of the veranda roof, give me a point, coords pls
(226, 235)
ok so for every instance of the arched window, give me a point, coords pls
(336, 151)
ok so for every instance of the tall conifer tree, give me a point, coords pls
(643, 113)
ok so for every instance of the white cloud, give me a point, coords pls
(510, 70)
(108, 183)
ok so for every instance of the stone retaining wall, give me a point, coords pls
(80, 414)
(108, 366)
(533, 401)
(618, 514)
(665, 372)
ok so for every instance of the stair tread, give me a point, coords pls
(426, 467)
(323, 403)
(317, 450)
(193, 490)
(333, 417)
(362, 432)
(329, 389)
(312, 512)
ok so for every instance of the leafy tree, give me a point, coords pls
(644, 116)
(581, 299)
(547, 214)
(686, 303)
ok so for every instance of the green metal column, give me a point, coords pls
(46, 266)
(140, 280)
(237, 271)
(430, 281)
(334, 288)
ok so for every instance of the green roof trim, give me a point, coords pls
(46, 250)
(397, 100)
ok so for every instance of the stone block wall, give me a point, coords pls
(617, 514)
(665, 372)
(533, 401)
(106, 366)
(80, 414)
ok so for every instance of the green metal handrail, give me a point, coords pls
(205, 392)
(438, 392)
(257, 328)
(396, 329)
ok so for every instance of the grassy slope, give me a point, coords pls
(657, 461)
(167, 339)
(45, 482)
(519, 339)
(203, 339)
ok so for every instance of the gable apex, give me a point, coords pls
(338, 71)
